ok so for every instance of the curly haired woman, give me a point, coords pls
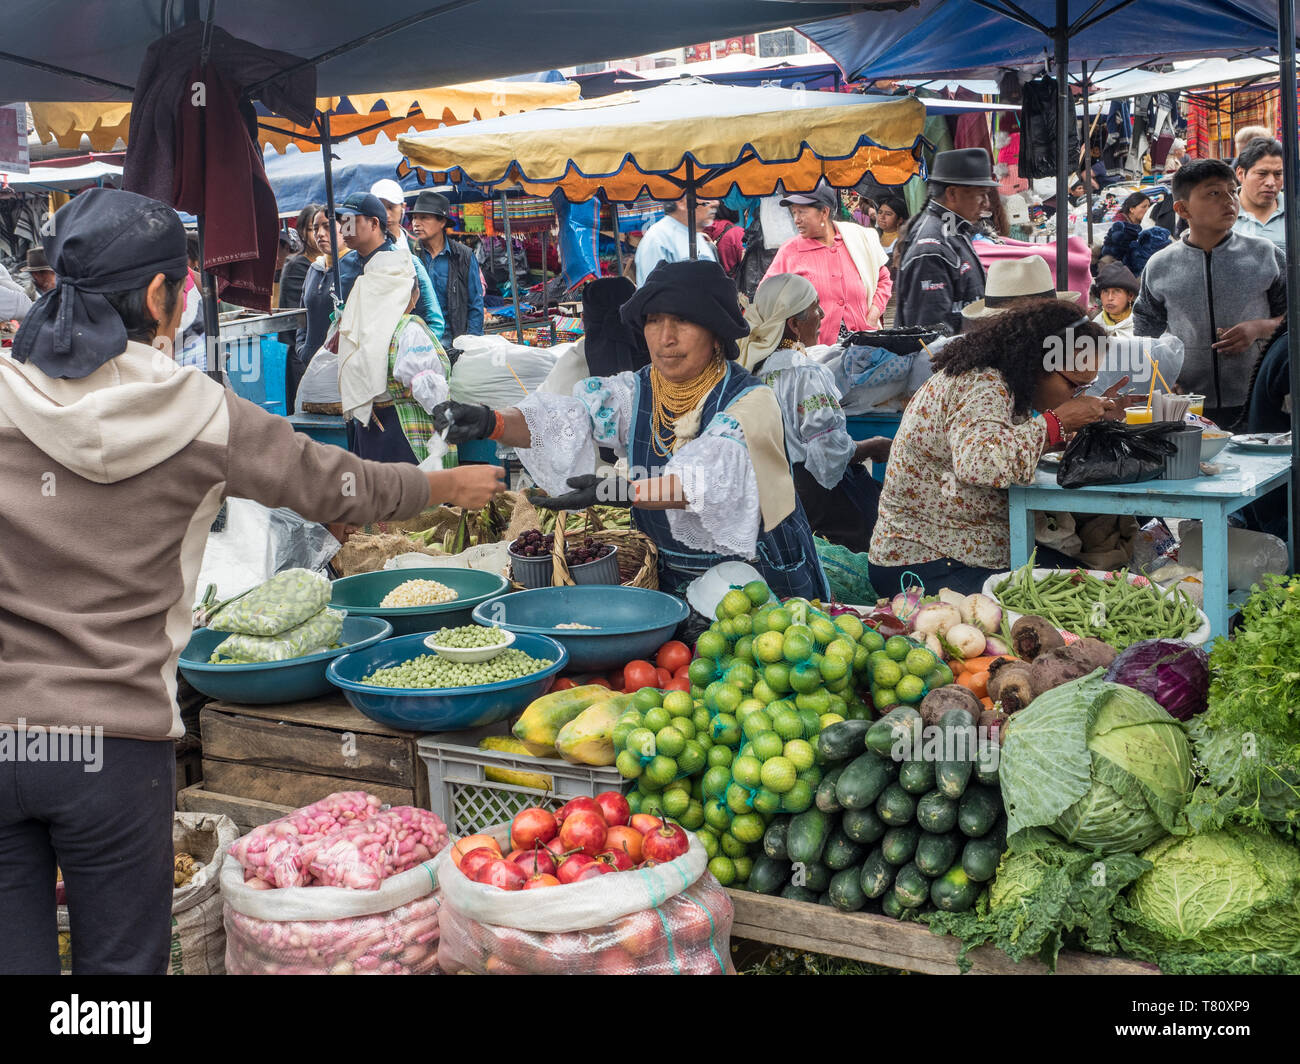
(976, 427)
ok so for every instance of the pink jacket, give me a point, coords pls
(841, 290)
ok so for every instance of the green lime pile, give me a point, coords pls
(902, 672)
(741, 747)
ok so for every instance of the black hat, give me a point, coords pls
(822, 196)
(699, 292)
(1116, 275)
(965, 166)
(36, 262)
(366, 205)
(429, 202)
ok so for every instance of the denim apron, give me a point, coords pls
(786, 555)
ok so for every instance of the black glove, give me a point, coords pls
(591, 490)
(468, 421)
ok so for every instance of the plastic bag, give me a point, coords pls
(869, 376)
(283, 602)
(846, 571)
(1251, 555)
(1130, 356)
(488, 366)
(331, 930)
(320, 381)
(1107, 452)
(361, 855)
(256, 543)
(272, 852)
(674, 918)
(317, 632)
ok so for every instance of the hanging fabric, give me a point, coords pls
(1038, 133)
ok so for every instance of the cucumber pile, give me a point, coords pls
(890, 836)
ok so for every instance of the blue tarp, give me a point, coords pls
(961, 37)
(298, 177)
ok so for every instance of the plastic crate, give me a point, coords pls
(468, 802)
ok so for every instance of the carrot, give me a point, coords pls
(978, 682)
(986, 702)
(980, 664)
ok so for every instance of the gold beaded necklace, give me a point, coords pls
(672, 400)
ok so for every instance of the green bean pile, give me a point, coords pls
(468, 637)
(429, 670)
(1114, 611)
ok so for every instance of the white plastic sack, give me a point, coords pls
(870, 376)
(1130, 356)
(257, 543)
(320, 381)
(570, 368)
(1251, 555)
(486, 558)
(483, 374)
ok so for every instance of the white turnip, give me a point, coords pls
(935, 618)
(967, 640)
(981, 612)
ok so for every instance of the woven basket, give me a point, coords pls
(323, 408)
(638, 558)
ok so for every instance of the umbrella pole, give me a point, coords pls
(323, 124)
(1064, 118)
(1086, 156)
(690, 206)
(510, 265)
(1291, 223)
(211, 318)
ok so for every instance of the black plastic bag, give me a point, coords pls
(1109, 452)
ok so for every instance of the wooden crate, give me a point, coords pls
(292, 755)
(893, 943)
(247, 813)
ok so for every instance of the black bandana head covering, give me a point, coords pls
(104, 241)
(699, 292)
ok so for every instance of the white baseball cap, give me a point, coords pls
(389, 191)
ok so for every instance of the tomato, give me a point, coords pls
(665, 678)
(563, 684)
(673, 655)
(639, 674)
(681, 683)
(616, 680)
(684, 673)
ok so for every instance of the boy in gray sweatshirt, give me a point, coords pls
(1222, 293)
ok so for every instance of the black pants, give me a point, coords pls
(110, 832)
(952, 574)
(846, 514)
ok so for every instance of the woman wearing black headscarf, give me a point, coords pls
(708, 478)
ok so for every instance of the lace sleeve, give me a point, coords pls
(722, 514)
(609, 404)
(821, 426)
(560, 428)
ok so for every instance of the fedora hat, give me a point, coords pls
(1011, 280)
(36, 262)
(430, 202)
(964, 166)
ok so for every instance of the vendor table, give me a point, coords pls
(1210, 500)
(864, 426)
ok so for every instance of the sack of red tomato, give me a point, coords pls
(570, 893)
(667, 673)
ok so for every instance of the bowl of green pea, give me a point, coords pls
(470, 643)
(402, 684)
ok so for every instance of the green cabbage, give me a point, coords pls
(1100, 764)
(1232, 896)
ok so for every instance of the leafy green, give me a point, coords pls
(1234, 891)
(1046, 896)
(1248, 742)
(1100, 764)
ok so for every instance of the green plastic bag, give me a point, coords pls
(847, 573)
(315, 633)
(284, 601)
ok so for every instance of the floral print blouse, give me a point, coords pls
(957, 450)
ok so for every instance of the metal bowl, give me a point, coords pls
(360, 595)
(273, 682)
(627, 622)
(440, 708)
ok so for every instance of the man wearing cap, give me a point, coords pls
(457, 280)
(939, 271)
(39, 272)
(668, 240)
(114, 462)
(364, 223)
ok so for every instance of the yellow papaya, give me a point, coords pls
(588, 739)
(505, 744)
(542, 720)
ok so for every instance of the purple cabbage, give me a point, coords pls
(1174, 673)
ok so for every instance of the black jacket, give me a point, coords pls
(938, 270)
(455, 308)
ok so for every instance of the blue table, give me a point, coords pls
(864, 426)
(323, 428)
(1210, 500)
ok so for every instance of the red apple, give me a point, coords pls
(665, 843)
(533, 826)
(541, 880)
(626, 839)
(573, 805)
(538, 860)
(592, 871)
(473, 863)
(505, 874)
(571, 866)
(614, 808)
(645, 823)
(556, 847)
(585, 831)
(618, 860)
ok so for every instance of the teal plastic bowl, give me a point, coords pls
(295, 680)
(628, 622)
(361, 595)
(440, 708)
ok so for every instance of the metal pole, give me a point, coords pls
(546, 247)
(1064, 118)
(323, 124)
(1291, 224)
(510, 265)
(690, 206)
(1085, 165)
(211, 319)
